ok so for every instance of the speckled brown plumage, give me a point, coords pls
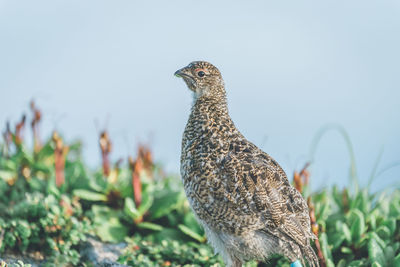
(239, 194)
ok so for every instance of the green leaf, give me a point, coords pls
(343, 231)
(165, 203)
(376, 264)
(190, 221)
(147, 201)
(323, 239)
(389, 253)
(37, 184)
(130, 209)
(372, 220)
(357, 224)
(397, 260)
(108, 225)
(336, 240)
(46, 151)
(9, 165)
(346, 250)
(337, 196)
(322, 207)
(357, 263)
(375, 251)
(150, 226)
(52, 188)
(341, 263)
(396, 246)
(7, 175)
(38, 166)
(191, 233)
(111, 230)
(329, 263)
(168, 234)
(89, 195)
(96, 185)
(390, 223)
(383, 232)
(381, 243)
(394, 208)
(361, 201)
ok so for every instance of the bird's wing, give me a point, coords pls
(281, 206)
(250, 191)
(282, 209)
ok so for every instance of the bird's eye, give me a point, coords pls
(201, 73)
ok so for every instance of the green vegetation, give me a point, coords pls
(50, 201)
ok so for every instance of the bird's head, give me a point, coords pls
(203, 79)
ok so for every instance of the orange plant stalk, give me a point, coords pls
(59, 159)
(18, 131)
(113, 177)
(147, 158)
(7, 135)
(315, 229)
(136, 168)
(37, 116)
(300, 179)
(105, 146)
(298, 183)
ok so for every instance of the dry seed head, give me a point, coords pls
(26, 172)
(297, 182)
(36, 118)
(12, 181)
(67, 207)
(131, 162)
(306, 175)
(18, 130)
(315, 228)
(55, 136)
(105, 143)
(59, 144)
(32, 104)
(7, 133)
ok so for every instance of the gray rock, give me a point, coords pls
(101, 254)
(12, 259)
(94, 251)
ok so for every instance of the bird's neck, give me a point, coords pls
(210, 106)
(210, 119)
(211, 99)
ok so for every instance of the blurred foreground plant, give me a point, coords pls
(49, 200)
(143, 253)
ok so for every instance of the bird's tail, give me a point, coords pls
(310, 256)
(293, 250)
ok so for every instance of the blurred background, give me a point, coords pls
(290, 69)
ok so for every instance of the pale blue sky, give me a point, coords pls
(290, 67)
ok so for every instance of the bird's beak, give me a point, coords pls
(187, 77)
(178, 73)
(184, 72)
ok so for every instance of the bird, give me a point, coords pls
(238, 193)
